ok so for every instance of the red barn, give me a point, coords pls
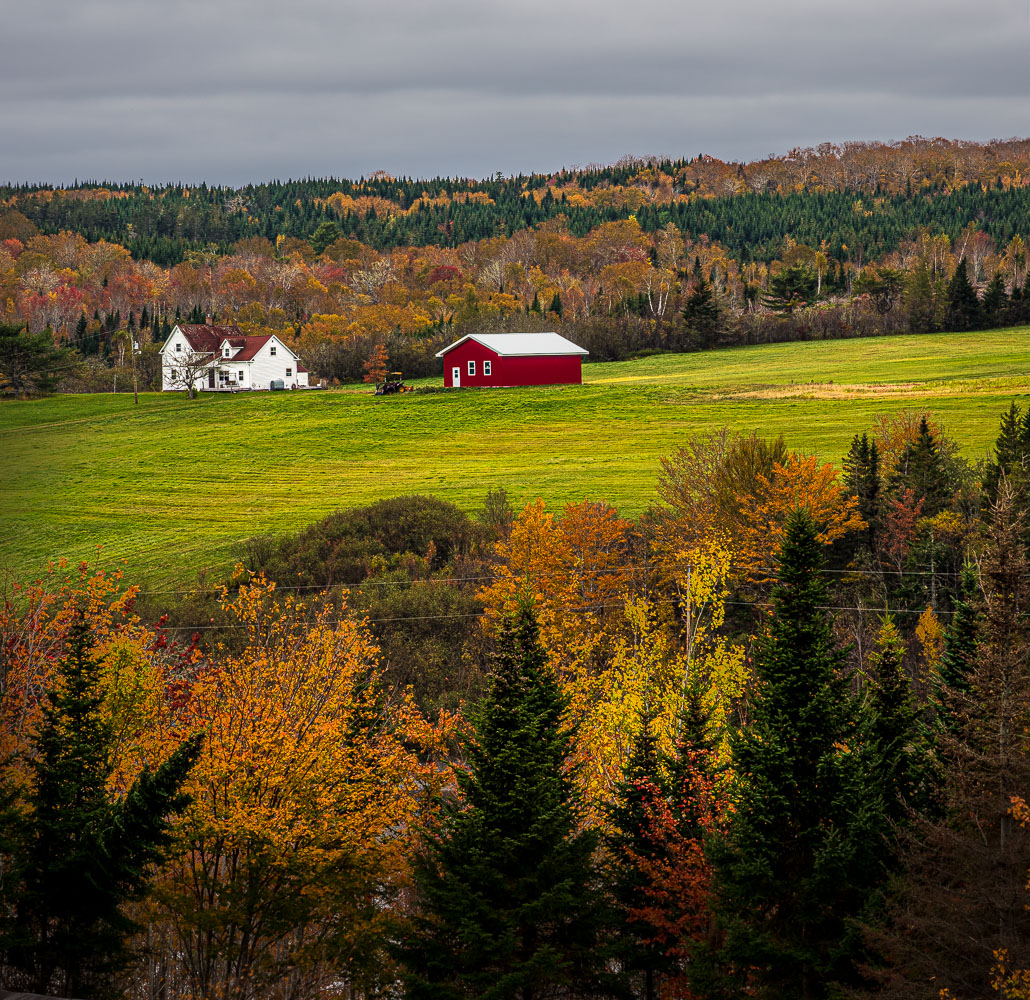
(512, 359)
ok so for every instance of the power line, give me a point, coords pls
(887, 574)
(581, 610)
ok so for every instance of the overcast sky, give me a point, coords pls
(232, 91)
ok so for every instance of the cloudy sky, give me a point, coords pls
(231, 91)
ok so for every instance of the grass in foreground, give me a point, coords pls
(170, 485)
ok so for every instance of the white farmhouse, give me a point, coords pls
(221, 358)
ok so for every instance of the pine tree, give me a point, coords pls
(79, 855)
(30, 364)
(804, 849)
(792, 287)
(556, 306)
(509, 905)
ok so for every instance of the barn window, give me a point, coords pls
(272, 350)
(472, 368)
(289, 372)
(486, 367)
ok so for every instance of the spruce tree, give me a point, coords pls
(506, 886)
(923, 469)
(862, 480)
(961, 635)
(1011, 458)
(804, 849)
(995, 301)
(630, 845)
(963, 305)
(894, 725)
(78, 853)
(701, 311)
(961, 900)
(556, 306)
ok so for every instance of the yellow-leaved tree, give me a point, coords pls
(575, 569)
(309, 780)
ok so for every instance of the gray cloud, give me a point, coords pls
(231, 91)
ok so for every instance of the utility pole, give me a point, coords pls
(135, 383)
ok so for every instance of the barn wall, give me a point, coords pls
(536, 370)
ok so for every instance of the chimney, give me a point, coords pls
(209, 320)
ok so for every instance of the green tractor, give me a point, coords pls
(394, 382)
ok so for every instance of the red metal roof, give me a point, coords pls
(206, 339)
(253, 345)
(209, 339)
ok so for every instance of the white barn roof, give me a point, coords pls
(509, 345)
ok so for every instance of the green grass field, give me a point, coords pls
(170, 485)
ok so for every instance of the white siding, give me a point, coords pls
(169, 356)
(267, 367)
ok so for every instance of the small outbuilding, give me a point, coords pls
(510, 359)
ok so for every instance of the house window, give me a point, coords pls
(272, 350)
(289, 372)
(472, 368)
(178, 347)
(241, 376)
(486, 367)
(225, 352)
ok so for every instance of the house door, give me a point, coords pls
(456, 377)
(211, 378)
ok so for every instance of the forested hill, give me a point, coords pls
(863, 198)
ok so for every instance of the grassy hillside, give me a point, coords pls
(170, 485)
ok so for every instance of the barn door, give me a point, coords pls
(456, 377)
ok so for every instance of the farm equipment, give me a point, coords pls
(394, 382)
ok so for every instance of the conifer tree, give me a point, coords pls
(804, 847)
(701, 311)
(995, 301)
(862, 480)
(78, 854)
(506, 884)
(30, 364)
(894, 725)
(963, 305)
(961, 635)
(666, 808)
(792, 287)
(556, 306)
(961, 899)
(923, 469)
(630, 845)
(1011, 457)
